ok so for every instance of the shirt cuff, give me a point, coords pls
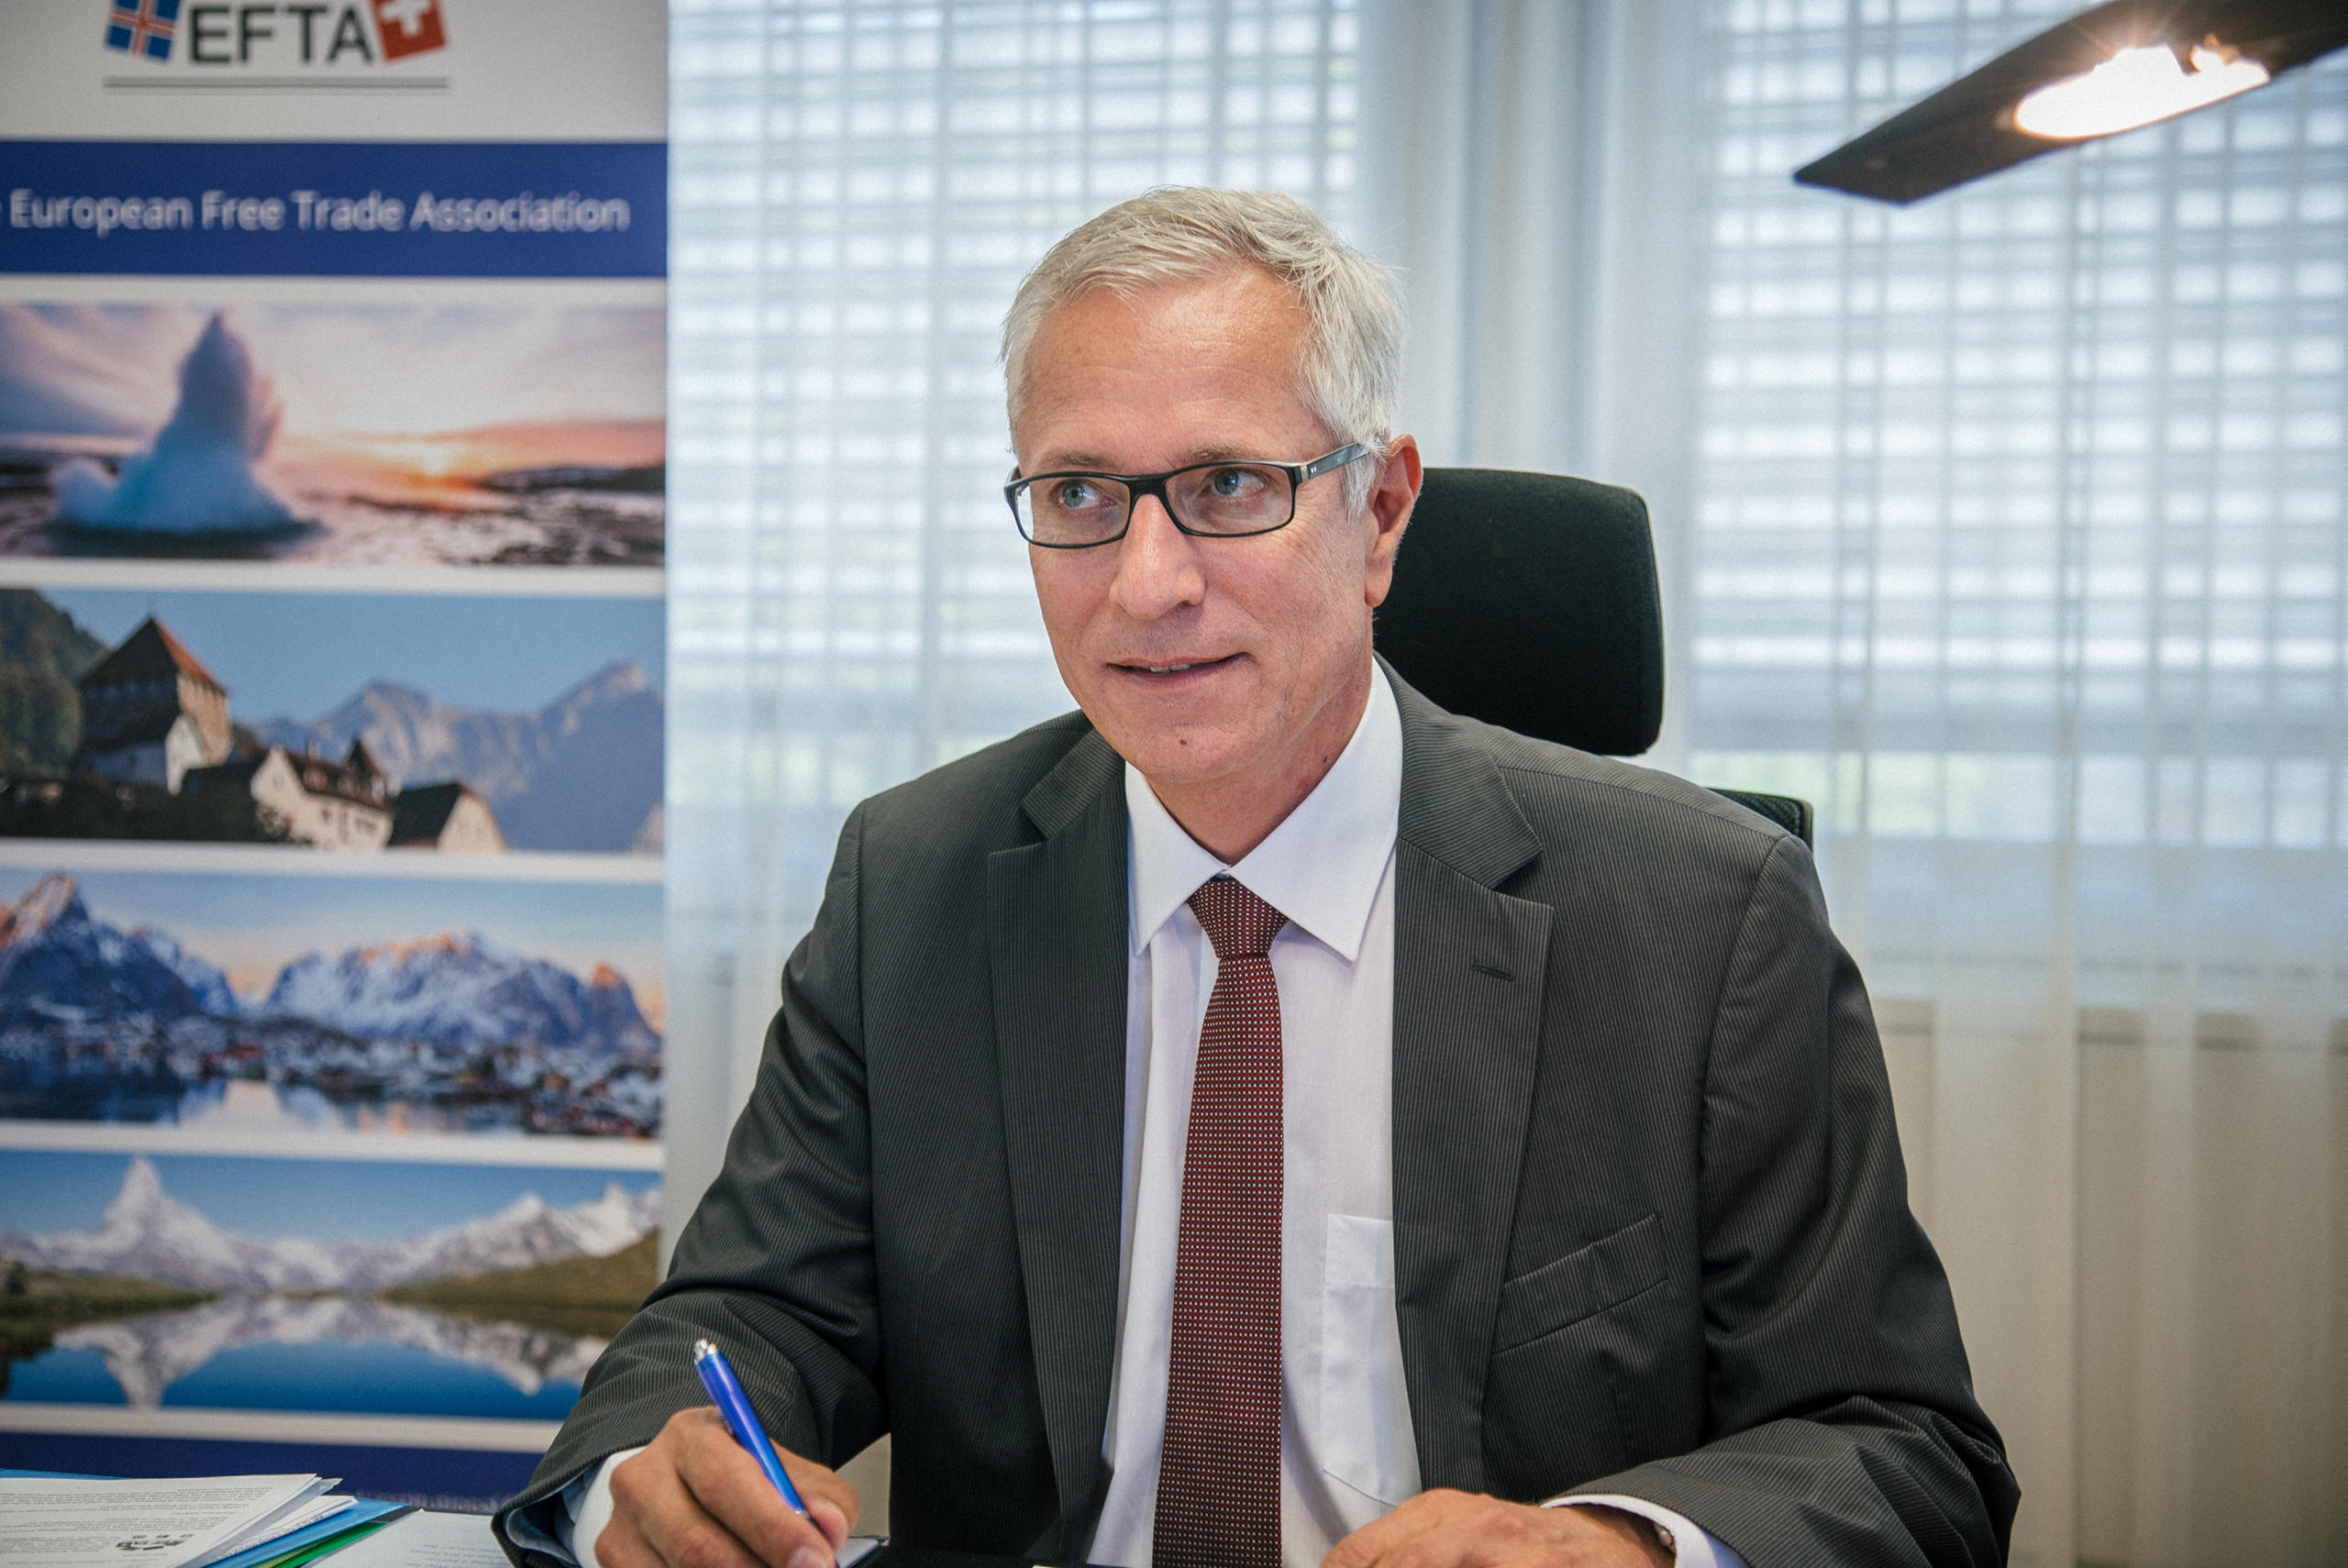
(587, 1508)
(1692, 1545)
(545, 1525)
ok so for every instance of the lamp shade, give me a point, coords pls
(1969, 127)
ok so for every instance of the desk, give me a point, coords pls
(428, 1540)
(914, 1557)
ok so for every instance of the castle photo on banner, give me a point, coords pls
(343, 721)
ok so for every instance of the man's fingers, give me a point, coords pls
(1438, 1549)
(622, 1545)
(728, 1483)
(651, 1502)
(1376, 1541)
(830, 1500)
(1454, 1529)
(827, 1518)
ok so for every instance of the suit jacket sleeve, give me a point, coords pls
(1840, 1411)
(777, 1262)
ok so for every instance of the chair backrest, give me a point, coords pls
(1530, 601)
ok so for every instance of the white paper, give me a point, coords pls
(426, 1541)
(465, 1541)
(283, 1520)
(311, 1512)
(159, 1524)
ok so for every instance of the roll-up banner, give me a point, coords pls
(332, 525)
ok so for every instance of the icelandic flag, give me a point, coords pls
(142, 27)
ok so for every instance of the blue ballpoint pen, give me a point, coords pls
(725, 1393)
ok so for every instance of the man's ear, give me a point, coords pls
(1391, 498)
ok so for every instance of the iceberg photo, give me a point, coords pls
(199, 476)
(373, 434)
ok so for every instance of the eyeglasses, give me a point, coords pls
(1074, 510)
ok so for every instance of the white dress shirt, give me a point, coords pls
(1346, 1455)
(1346, 1450)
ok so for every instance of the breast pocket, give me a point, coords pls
(1365, 1411)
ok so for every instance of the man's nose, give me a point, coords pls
(1159, 570)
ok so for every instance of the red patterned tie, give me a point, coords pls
(1219, 1471)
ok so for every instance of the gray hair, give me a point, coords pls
(1353, 354)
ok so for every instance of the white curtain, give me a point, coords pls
(2008, 529)
(857, 185)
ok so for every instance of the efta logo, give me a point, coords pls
(144, 27)
(276, 35)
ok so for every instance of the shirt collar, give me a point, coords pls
(1320, 868)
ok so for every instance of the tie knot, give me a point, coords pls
(1240, 924)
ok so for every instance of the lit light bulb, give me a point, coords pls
(2135, 88)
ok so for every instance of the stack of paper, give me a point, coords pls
(218, 1521)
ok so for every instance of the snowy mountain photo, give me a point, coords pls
(461, 990)
(167, 1017)
(148, 1235)
(55, 960)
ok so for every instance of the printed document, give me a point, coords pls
(160, 1524)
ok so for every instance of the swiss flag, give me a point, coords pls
(409, 26)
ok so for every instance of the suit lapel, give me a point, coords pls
(1057, 944)
(1468, 975)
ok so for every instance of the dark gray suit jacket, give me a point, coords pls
(1651, 1225)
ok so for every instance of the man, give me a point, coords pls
(1265, 1116)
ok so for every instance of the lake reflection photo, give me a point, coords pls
(338, 1353)
(336, 1286)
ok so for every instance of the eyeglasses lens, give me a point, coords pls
(1072, 509)
(1234, 498)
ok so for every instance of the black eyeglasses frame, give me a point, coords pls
(1138, 485)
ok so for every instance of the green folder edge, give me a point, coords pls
(331, 1544)
(327, 1535)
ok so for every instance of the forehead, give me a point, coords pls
(1193, 365)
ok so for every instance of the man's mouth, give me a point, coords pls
(1172, 666)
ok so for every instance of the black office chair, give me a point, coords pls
(1529, 601)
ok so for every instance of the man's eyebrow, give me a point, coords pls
(1094, 462)
(1058, 462)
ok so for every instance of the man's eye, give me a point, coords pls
(1234, 484)
(1076, 495)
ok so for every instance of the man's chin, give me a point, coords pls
(1174, 757)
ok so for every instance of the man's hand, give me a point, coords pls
(1461, 1530)
(694, 1499)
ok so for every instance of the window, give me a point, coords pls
(857, 189)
